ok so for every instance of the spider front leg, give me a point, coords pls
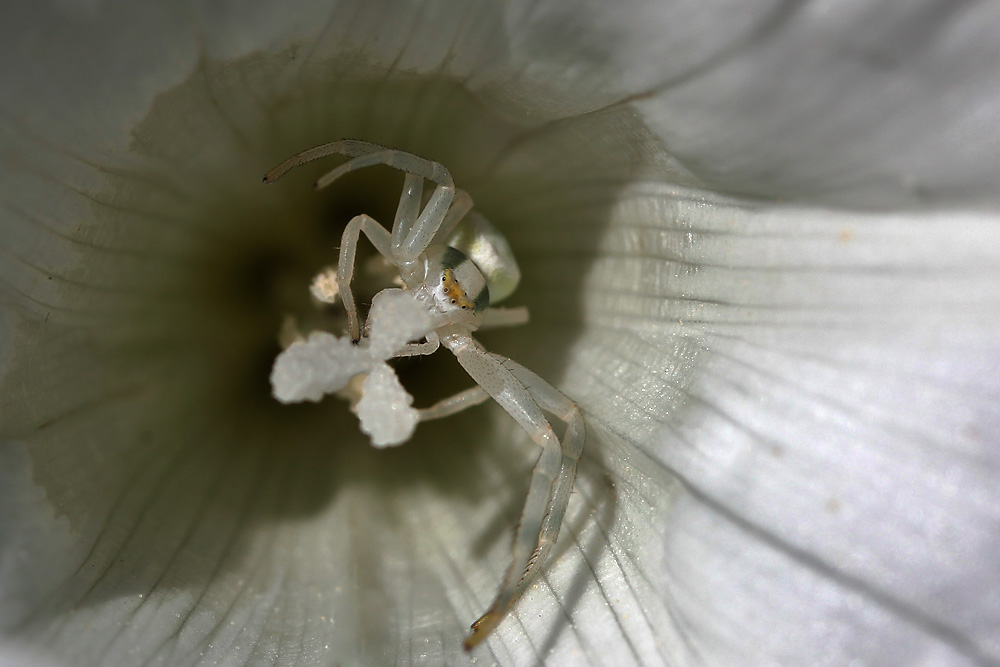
(524, 395)
(413, 229)
(409, 237)
(429, 346)
(379, 237)
(454, 404)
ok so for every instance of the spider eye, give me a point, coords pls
(454, 301)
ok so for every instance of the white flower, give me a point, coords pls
(760, 248)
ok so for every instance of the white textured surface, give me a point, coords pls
(395, 319)
(792, 391)
(324, 364)
(384, 408)
(324, 287)
(319, 365)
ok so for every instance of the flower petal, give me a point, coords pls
(825, 396)
(858, 104)
(831, 383)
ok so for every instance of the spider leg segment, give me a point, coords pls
(348, 147)
(409, 238)
(524, 396)
(454, 404)
(409, 206)
(379, 237)
(413, 229)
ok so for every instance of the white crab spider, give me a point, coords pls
(455, 287)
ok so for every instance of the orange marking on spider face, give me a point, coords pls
(453, 290)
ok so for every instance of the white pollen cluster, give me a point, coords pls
(325, 364)
(324, 286)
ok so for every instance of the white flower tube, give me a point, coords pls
(760, 249)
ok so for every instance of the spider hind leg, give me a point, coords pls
(525, 395)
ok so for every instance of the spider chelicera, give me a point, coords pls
(453, 273)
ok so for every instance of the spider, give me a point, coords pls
(454, 287)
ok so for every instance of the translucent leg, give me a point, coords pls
(427, 224)
(348, 147)
(555, 402)
(391, 157)
(409, 240)
(408, 208)
(524, 395)
(454, 404)
(409, 245)
(430, 346)
(379, 237)
(422, 231)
